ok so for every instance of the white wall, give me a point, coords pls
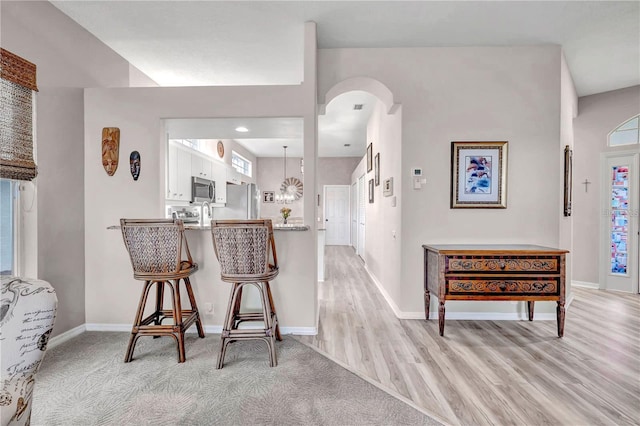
(568, 111)
(383, 229)
(111, 291)
(467, 94)
(68, 58)
(598, 115)
(269, 178)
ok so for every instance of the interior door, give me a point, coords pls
(354, 215)
(619, 222)
(336, 215)
(361, 216)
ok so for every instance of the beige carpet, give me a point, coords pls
(85, 382)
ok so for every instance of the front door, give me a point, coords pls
(336, 215)
(619, 222)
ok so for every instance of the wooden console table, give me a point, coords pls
(494, 272)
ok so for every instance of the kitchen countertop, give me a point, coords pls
(192, 227)
(275, 227)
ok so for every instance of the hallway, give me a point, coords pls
(488, 372)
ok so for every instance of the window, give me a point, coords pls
(626, 133)
(191, 143)
(7, 227)
(17, 87)
(241, 164)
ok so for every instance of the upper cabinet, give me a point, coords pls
(183, 163)
(201, 167)
(219, 173)
(179, 174)
(233, 176)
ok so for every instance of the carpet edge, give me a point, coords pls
(383, 388)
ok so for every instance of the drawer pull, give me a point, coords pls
(503, 265)
(502, 286)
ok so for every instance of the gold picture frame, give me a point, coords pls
(479, 175)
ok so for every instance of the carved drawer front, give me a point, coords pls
(488, 286)
(532, 264)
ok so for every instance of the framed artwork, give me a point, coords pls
(479, 175)
(377, 169)
(268, 196)
(371, 189)
(369, 157)
(568, 180)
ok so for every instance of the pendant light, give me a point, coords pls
(284, 197)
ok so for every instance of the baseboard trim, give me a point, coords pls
(486, 316)
(67, 335)
(396, 310)
(585, 284)
(212, 329)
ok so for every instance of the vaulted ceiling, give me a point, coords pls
(180, 43)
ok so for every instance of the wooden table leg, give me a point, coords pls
(560, 315)
(427, 301)
(530, 305)
(441, 317)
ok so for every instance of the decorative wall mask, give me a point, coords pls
(110, 149)
(134, 164)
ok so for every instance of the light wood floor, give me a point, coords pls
(488, 372)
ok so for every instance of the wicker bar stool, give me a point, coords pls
(155, 247)
(244, 249)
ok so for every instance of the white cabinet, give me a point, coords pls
(179, 174)
(201, 167)
(219, 173)
(233, 176)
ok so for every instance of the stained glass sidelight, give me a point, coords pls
(619, 218)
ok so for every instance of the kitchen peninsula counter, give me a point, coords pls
(275, 227)
(294, 289)
(192, 227)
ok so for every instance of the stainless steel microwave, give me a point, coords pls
(203, 190)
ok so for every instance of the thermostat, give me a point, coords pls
(416, 171)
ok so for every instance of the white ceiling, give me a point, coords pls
(340, 125)
(265, 138)
(179, 43)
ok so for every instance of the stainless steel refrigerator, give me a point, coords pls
(243, 202)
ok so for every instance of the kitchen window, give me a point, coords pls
(241, 164)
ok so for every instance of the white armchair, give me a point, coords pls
(27, 313)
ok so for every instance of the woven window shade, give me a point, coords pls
(17, 83)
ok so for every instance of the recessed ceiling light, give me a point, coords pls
(358, 107)
(242, 129)
(347, 144)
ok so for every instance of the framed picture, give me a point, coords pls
(371, 189)
(268, 197)
(478, 175)
(369, 157)
(377, 169)
(568, 180)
